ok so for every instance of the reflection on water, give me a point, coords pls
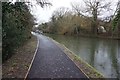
(102, 54)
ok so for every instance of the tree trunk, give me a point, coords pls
(118, 28)
(95, 22)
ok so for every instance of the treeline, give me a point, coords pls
(116, 21)
(84, 21)
(17, 23)
(64, 22)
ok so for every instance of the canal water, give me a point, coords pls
(102, 54)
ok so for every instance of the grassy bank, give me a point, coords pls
(17, 66)
(88, 70)
(102, 36)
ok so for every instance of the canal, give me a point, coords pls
(102, 54)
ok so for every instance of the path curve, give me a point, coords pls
(51, 62)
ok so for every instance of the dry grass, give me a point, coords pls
(17, 66)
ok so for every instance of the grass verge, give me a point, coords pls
(87, 69)
(17, 66)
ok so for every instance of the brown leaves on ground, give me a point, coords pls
(17, 66)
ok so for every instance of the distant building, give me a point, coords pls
(101, 29)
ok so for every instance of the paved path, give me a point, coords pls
(51, 62)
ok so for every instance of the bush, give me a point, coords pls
(17, 23)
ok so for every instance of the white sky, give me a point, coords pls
(44, 14)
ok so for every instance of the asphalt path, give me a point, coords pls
(51, 62)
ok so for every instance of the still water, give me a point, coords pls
(102, 54)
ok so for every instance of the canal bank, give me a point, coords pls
(102, 54)
(88, 70)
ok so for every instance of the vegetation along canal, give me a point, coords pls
(102, 54)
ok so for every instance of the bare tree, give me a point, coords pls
(93, 8)
(76, 8)
(118, 18)
(60, 12)
(42, 3)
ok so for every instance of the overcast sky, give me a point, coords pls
(44, 14)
